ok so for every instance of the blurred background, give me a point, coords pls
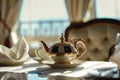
(46, 19)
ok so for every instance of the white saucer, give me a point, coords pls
(60, 65)
(40, 60)
(11, 63)
(8, 62)
(37, 59)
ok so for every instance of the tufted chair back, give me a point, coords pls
(99, 35)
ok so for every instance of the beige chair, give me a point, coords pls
(99, 35)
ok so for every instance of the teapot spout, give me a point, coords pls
(45, 46)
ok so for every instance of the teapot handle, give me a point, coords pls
(78, 42)
(82, 44)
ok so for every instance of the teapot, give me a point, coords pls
(64, 51)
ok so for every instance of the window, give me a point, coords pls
(43, 19)
(108, 9)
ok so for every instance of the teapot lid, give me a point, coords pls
(62, 47)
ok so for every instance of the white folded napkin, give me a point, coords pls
(15, 55)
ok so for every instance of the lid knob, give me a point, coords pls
(62, 38)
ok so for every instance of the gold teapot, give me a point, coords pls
(65, 52)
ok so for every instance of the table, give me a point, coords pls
(34, 70)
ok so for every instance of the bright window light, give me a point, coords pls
(34, 10)
(43, 20)
(108, 8)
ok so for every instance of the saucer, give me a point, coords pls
(37, 59)
(11, 63)
(5, 62)
(61, 65)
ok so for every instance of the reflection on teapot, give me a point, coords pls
(65, 52)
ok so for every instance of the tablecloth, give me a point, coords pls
(45, 70)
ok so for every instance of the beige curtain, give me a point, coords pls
(9, 14)
(77, 9)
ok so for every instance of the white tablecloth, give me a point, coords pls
(33, 67)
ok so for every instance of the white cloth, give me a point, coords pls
(15, 55)
(44, 70)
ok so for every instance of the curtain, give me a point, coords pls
(77, 9)
(9, 11)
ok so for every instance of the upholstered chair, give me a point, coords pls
(99, 35)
